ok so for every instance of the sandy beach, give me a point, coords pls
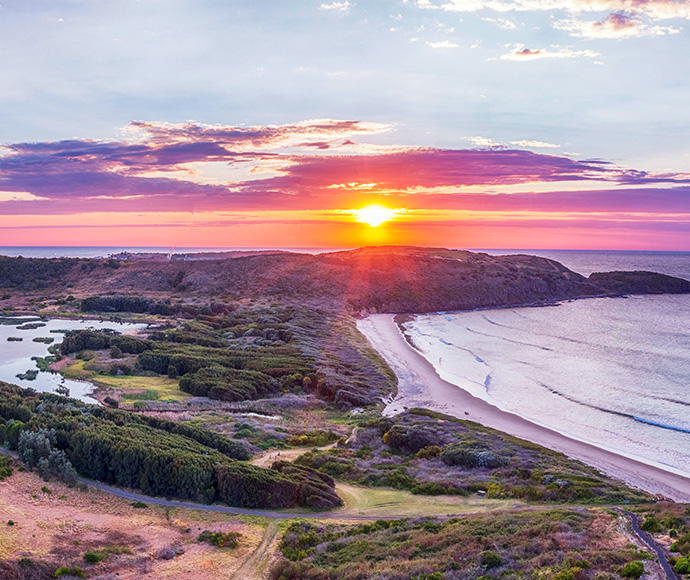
(419, 385)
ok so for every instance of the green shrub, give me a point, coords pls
(490, 559)
(651, 524)
(139, 505)
(220, 539)
(429, 452)
(682, 565)
(5, 462)
(70, 571)
(632, 569)
(682, 545)
(92, 557)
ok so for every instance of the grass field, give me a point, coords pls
(388, 503)
(134, 388)
(129, 388)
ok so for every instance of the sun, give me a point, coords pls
(374, 215)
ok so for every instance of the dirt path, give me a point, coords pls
(269, 457)
(254, 566)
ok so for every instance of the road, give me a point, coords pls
(647, 539)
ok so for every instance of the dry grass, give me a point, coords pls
(58, 527)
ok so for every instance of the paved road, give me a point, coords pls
(647, 539)
(133, 496)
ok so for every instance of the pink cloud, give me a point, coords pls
(526, 54)
(615, 25)
(152, 174)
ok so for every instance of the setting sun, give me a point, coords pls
(374, 215)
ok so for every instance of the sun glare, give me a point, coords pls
(374, 215)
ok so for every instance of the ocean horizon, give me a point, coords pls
(673, 263)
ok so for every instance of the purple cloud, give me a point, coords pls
(153, 174)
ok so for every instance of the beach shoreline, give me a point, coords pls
(419, 385)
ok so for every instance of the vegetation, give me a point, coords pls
(220, 539)
(73, 571)
(5, 467)
(156, 456)
(558, 544)
(314, 438)
(235, 355)
(682, 565)
(433, 454)
(633, 569)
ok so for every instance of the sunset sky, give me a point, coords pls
(222, 123)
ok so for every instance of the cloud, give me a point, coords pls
(485, 142)
(534, 144)
(654, 9)
(240, 138)
(525, 54)
(615, 25)
(443, 44)
(338, 6)
(501, 23)
(618, 19)
(310, 165)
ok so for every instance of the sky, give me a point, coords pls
(540, 124)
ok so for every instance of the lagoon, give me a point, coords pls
(16, 356)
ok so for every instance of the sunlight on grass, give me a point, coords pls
(386, 502)
(152, 388)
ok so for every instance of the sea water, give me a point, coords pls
(611, 371)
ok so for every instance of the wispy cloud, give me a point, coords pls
(534, 144)
(486, 143)
(521, 54)
(501, 23)
(655, 9)
(338, 6)
(615, 25)
(443, 44)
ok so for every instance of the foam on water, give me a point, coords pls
(614, 372)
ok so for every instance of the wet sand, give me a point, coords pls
(419, 385)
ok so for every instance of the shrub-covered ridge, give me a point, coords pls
(156, 456)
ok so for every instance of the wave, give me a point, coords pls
(507, 339)
(618, 413)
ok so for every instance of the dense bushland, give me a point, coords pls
(158, 457)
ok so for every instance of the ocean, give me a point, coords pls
(614, 372)
(105, 251)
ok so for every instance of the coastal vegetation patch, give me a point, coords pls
(558, 544)
(433, 454)
(156, 456)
